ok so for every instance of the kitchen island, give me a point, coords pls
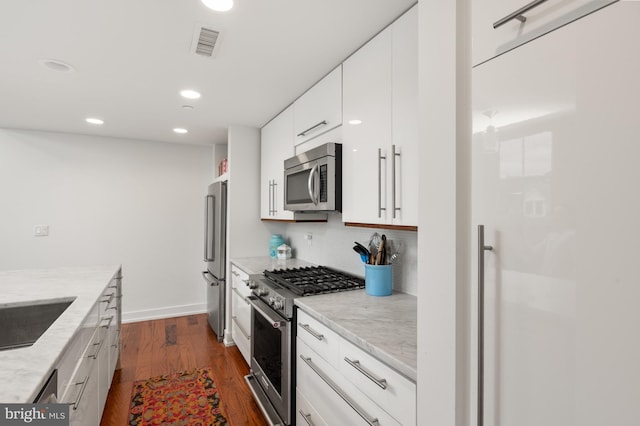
(23, 371)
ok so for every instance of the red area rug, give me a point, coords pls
(180, 399)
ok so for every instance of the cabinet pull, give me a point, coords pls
(99, 345)
(380, 158)
(306, 417)
(108, 298)
(76, 403)
(109, 320)
(367, 418)
(311, 331)
(304, 133)
(394, 154)
(518, 14)
(244, 333)
(275, 205)
(356, 364)
(481, 249)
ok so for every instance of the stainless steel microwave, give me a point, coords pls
(313, 180)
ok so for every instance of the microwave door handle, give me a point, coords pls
(311, 186)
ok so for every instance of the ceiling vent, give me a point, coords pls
(205, 41)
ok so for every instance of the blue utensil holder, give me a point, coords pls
(378, 280)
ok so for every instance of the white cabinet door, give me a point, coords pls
(380, 134)
(404, 120)
(554, 182)
(542, 18)
(277, 146)
(367, 130)
(319, 109)
(241, 311)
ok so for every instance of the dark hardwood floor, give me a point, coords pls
(152, 348)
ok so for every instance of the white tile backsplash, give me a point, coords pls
(332, 244)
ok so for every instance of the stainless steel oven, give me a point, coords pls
(273, 319)
(271, 370)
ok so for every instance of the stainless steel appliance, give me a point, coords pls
(272, 378)
(313, 180)
(215, 254)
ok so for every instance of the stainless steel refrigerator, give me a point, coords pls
(215, 254)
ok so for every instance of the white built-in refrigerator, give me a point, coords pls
(555, 158)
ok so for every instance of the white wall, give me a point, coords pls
(109, 201)
(443, 300)
(332, 244)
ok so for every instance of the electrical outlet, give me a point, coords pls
(41, 230)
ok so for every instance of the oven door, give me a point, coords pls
(270, 358)
(311, 186)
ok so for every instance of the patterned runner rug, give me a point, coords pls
(180, 399)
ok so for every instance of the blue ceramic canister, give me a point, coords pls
(275, 241)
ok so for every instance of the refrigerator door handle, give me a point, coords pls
(481, 249)
(211, 281)
(209, 208)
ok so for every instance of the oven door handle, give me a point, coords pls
(264, 310)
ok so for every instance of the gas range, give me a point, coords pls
(280, 287)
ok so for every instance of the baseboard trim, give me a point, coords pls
(160, 313)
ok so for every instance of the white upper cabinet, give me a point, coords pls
(277, 145)
(380, 135)
(497, 27)
(319, 109)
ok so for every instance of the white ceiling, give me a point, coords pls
(132, 57)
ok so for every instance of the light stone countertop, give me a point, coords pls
(24, 371)
(385, 327)
(257, 265)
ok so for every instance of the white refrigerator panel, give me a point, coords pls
(555, 153)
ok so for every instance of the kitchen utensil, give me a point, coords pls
(374, 243)
(380, 256)
(361, 246)
(363, 252)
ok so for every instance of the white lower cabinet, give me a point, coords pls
(241, 311)
(86, 368)
(360, 391)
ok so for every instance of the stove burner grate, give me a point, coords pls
(306, 281)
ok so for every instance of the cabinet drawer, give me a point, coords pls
(242, 340)
(489, 42)
(240, 281)
(306, 414)
(318, 337)
(379, 382)
(335, 399)
(241, 312)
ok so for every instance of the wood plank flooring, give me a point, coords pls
(152, 348)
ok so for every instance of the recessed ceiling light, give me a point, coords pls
(93, 120)
(218, 5)
(189, 107)
(355, 122)
(180, 130)
(55, 65)
(190, 94)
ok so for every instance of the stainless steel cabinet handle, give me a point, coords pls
(76, 403)
(481, 249)
(311, 331)
(356, 364)
(109, 321)
(518, 13)
(306, 417)
(367, 418)
(394, 154)
(242, 330)
(270, 197)
(322, 123)
(99, 345)
(380, 158)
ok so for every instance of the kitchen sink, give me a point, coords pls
(23, 324)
